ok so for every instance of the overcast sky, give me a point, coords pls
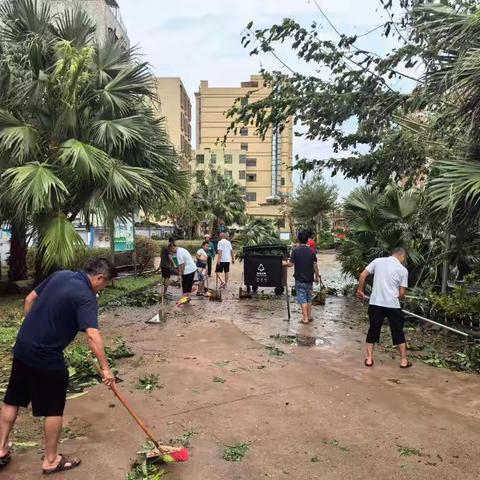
(200, 40)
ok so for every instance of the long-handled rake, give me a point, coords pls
(166, 453)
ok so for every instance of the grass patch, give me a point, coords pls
(236, 452)
(408, 452)
(275, 351)
(148, 382)
(184, 438)
(336, 444)
(8, 335)
(114, 296)
(218, 380)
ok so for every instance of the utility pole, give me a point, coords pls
(445, 266)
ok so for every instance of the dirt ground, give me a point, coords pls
(311, 413)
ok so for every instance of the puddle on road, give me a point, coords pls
(300, 340)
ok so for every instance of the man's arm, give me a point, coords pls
(181, 269)
(95, 342)
(233, 256)
(361, 285)
(219, 256)
(402, 292)
(29, 301)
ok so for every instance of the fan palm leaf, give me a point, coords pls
(74, 26)
(60, 243)
(33, 187)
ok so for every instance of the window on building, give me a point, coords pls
(251, 196)
(251, 162)
(252, 177)
(244, 131)
(282, 181)
(281, 223)
(200, 176)
(241, 174)
(244, 101)
(200, 159)
(227, 158)
(213, 159)
(249, 84)
(242, 158)
(228, 174)
(244, 146)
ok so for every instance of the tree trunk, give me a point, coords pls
(214, 232)
(18, 253)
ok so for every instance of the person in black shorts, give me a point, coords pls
(186, 269)
(225, 256)
(166, 267)
(61, 306)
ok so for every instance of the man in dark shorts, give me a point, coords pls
(186, 270)
(306, 272)
(166, 267)
(225, 257)
(61, 306)
(390, 282)
(210, 254)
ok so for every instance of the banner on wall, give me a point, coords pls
(124, 236)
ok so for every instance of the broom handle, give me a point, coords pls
(129, 409)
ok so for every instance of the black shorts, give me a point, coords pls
(166, 272)
(46, 390)
(396, 320)
(223, 267)
(187, 282)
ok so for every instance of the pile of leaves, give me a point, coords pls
(80, 360)
(236, 452)
(144, 298)
(148, 382)
(145, 470)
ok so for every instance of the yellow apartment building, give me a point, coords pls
(230, 163)
(266, 164)
(175, 106)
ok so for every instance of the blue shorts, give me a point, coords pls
(304, 292)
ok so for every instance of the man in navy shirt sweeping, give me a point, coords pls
(64, 304)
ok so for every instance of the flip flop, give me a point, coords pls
(5, 460)
(408, 365)
(64, 465)
(368, 364)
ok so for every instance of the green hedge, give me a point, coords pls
(146, 248)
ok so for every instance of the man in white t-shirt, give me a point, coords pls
(224, 258)
(186, 269)
(390, 282)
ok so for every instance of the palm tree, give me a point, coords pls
(452, 76)
(220, 200)
(313, 200)
(77, 134)
(256, 231)
(379, 222)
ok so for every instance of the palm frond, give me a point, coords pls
(75, 26)
(23, 18)
(60, 244)
(115, 135)
(130, 83)
(85, 160)
(18, 142)
(33, 187)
